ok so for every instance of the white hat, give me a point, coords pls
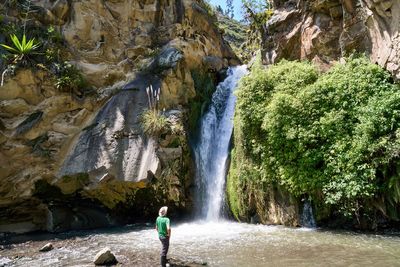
(163, 211)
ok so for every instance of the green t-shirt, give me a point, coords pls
(162, 226)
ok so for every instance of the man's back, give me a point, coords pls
(162, 224)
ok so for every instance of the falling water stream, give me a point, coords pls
(211, 239)
(212, 149)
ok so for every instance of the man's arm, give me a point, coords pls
(168, 229)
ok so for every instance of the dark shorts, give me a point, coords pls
(165, 245)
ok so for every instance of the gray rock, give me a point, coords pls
(105, 257)
(47, 247)
(169, 154)
(168, 58)
(29, 122)
(213, 63)
(113, 145)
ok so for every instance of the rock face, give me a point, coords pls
(68, 163)
(113, 146)
(325, 30)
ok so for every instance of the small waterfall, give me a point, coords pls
(212, 149)
(307, 217)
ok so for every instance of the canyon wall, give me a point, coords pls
(70, 162)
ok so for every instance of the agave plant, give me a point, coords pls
(21, 48)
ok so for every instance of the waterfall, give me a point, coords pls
(212, 149)
(307, 217)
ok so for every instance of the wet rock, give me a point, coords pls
(47, 247)
(255, 219)
(105, 257)
(213, 63)
(182, 263)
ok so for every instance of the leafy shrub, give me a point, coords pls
(49, 55)
(332, 137)
(69, 78)
(154, 123)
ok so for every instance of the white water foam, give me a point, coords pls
(212, 150)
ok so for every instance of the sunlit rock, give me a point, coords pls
(105, 257)
(47, 247)
(324, 31)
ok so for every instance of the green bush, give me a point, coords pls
(49, 55)
(154, 123)
(69, 78)
(331, 137)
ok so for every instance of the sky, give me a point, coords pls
(237, 5)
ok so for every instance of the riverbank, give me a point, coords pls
(217, 244)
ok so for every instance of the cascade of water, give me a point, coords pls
(211, 151)
(307, 217)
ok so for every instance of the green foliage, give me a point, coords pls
(333, 137)
(154, 123)
(256, 13)
(48, 56)
(69, 78)
(205, 4)
(21, 48)
(235, 33)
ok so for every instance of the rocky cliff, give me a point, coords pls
(72, 162)
(325, 30)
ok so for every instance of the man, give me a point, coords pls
(164, 233)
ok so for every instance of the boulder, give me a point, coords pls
(105, 257)
(47, 247)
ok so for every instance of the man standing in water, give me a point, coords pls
(164, 233)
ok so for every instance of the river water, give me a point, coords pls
(217, 244)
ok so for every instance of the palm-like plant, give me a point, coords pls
(21, 48)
